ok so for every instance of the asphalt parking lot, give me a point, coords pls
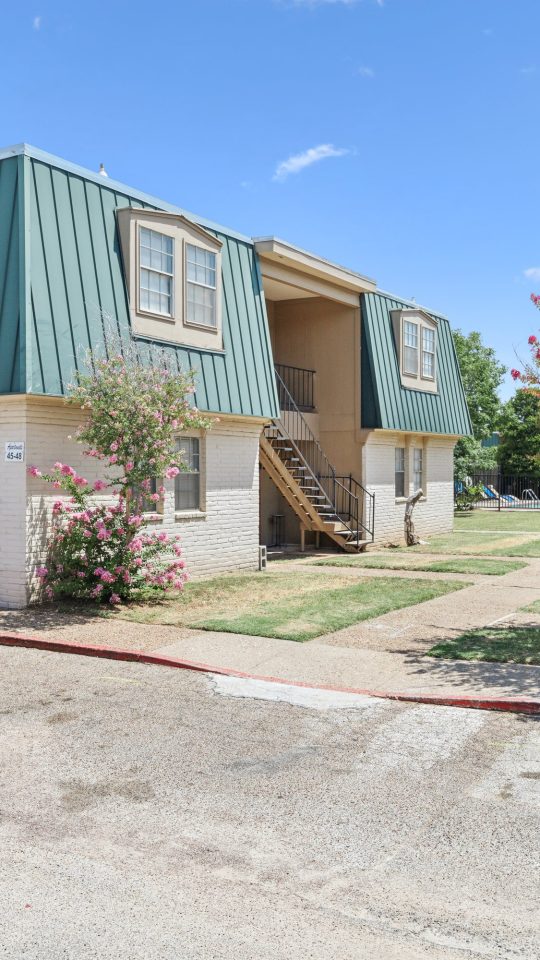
(153, 813)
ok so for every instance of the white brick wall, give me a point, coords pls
(434, 513)
(223, 536)
(12, 507)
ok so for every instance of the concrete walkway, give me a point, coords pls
(320, 663)
(386, 653)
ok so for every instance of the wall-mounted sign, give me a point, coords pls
(14, 451)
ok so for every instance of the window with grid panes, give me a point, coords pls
(201, 286)
(400, 471)
(156, 271)
(187, 485)
(418, 468)
(428, 353)
(410, 347)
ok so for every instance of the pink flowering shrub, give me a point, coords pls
(134, 412)
(100, 551)
(530, 375)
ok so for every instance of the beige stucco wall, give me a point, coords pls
(325, 336)
(435, 512)
(224, 536)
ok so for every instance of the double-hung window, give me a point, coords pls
(418, 469)
(428, 353)
(400, 471)
(410, 348)
(187, 485)
(156, 266)
(201, 281)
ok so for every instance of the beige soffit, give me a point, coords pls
(271, 248)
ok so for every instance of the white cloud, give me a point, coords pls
(300, 161)
(36, 23)
(532, 273)
(366, 72)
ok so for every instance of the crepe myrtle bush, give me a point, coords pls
(530, 375)
(135, 410)
(99, 551)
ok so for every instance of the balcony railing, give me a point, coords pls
(299, 383)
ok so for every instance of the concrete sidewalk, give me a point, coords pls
(385, 653)
(320, 663)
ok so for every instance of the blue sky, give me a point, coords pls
(398, 137)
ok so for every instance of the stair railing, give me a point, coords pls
(351, 503)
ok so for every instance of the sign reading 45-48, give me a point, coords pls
(14, 451)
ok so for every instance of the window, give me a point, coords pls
(201, 286)
(400, 471)
(173, 274)
(428, 353)
(187, 485)
(410, 348)
(418, 469)
(415, 333)
(144, 497)
(156, 264)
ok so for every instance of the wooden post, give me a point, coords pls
(317, 539)
(302, 538)
(410, 537)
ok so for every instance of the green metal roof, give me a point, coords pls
(10, 277)
(61, 270)
(386, 404)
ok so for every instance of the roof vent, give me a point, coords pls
(103, 171)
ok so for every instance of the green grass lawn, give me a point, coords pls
(526, 521)
(533, 607)
(517, 644)
(289, 606)
(470, 543)
(495, 568)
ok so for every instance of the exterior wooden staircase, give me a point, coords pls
(323, 501)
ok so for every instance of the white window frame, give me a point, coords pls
(403, 472)
(149, 509)
(431, 353)
(204, 286)
(170, 328)
(180, 444)
(406, 346)
(418, 453)
(147, 311)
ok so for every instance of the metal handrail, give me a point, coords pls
(349, 501)
(299, 382)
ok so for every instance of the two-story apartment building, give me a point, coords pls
(372, 405)
(364, 405)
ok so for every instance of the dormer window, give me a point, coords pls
(428, 353)
(415, 334)
(410, 348)
(173, 273)
(201, 286)
(156, 259)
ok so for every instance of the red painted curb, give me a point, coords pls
(507, 704)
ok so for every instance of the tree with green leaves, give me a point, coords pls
(519, 450)
(482, 375)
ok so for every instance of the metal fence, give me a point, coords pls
(500, 491)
